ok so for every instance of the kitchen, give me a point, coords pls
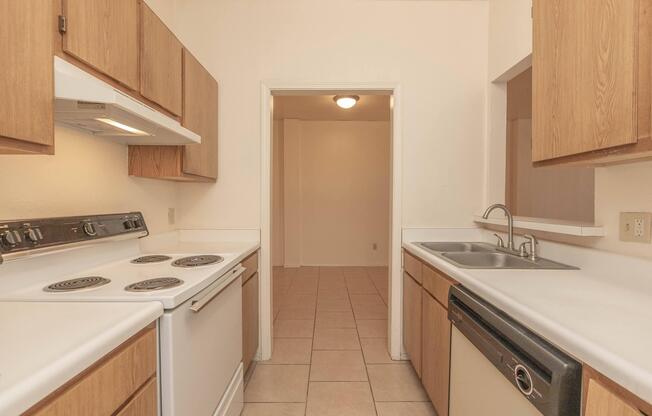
(447, 64)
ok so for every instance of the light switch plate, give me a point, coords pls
(636, 227)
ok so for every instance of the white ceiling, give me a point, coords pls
(323, 108)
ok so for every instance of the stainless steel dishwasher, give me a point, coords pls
(500, 368)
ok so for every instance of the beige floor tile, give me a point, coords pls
(360, 285)
(290, 351)
(375, 351)
(278, 384)
(340, 399)
(335, 339)
(395, 383)
(334, 319)
(367, 300)
(370, 312)
(274, 409)
(293, 328)
(298, 301)
(334, 304)
(372, 328)
(405, 409)
(338, 366)
(296, 313)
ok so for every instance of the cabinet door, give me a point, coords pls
(160, 62)
(104, 35)
(584, 76)
(144, 403)
(412, 320)
(249, 320)
(602, 402)
(200, 116)
(27, 77)
(435, 365)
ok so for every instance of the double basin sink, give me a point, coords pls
(486, 256)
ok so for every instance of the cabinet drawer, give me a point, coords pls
(251, 264)
(436, 284)
(412, 266)
(108, 385)
(144, 402)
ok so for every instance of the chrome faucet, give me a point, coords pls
(510, 224)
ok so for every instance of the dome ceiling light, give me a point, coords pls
(346, 101)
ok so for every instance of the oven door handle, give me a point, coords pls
(197, 304)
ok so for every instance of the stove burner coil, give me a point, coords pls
(157, 258)
(194, 261)
(158, 283)
(77, 284)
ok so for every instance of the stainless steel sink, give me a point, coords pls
(485, 256)
(445, 247)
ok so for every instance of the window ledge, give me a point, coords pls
(551, 226)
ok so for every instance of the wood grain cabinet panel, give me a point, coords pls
(436, 284)
(412, 266)
(250, 321)
(160, 62)
(105, 388)
(104, 34)
(27, 78)
(412, 297)
(144, 403)
(603, 397)
(435, 363)
(591, 80)
(199, 115)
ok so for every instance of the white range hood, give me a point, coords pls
(88, 103)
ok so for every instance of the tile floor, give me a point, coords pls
(330, 350)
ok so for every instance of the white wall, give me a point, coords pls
(87, 175)
(336, 193)
(436, 50)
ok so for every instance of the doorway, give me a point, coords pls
(330, 240)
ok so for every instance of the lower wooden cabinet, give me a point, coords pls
(250, 320)
(436, 352)
(604, 397)
(426, 328)
(122, 383)
(412, 297)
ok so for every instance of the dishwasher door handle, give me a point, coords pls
(198, 304)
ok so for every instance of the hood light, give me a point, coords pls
(346, 101)
(124, 127)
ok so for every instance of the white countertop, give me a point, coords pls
(602, 314)
(43, 345)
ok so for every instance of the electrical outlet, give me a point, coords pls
(172, 216)
(636, 227)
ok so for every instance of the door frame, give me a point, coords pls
(267, 91)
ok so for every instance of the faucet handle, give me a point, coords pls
(500, 243)
(533, 242)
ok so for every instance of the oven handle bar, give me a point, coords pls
(198, 304)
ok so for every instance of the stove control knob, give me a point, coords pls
(9, 238)
(89, 229)
(128, 224)
(138, 223)
(34, 235)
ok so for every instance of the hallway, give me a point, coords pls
(330, 349)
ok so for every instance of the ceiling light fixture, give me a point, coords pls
(346, 101)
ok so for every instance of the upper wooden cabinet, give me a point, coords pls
(591, 81)
(194, 162)
(26, 78)
(160, 63)
(200, 116)
(104, 34)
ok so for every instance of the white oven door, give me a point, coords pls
(478, 388)
(201, 349)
